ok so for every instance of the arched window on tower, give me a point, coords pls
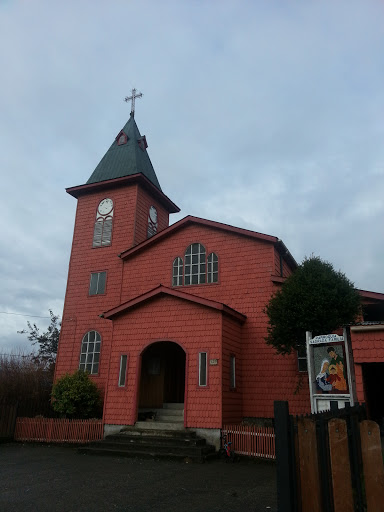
(213, 268)
(194, 264)
(177, 272)
(102, 234)
(152, 222)
(90, 352)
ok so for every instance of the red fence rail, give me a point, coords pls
(251, 440)
(57, 430)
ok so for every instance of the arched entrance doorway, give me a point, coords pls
(162, 377)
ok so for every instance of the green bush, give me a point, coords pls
(76, 396)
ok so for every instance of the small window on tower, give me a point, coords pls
(97, 283)
(121, 139)
(152, 222)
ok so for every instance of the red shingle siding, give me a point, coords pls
(232, 398)
(81, 311)
(144, 202)
(245, 269)
(368, 346)
(195, 328)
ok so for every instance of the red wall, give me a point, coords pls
(245, 269)
(81, 311)
(196, 329)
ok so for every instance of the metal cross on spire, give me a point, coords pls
(132, 98)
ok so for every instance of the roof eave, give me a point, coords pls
(89, 188)
(164, 290)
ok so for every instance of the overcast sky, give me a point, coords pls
(267, 115)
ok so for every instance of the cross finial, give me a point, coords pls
(132, 98)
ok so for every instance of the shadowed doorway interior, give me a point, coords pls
(162, 377)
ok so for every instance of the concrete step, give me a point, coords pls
(160, 425)
(132, 430)
(134, 442)
(169, 418)
(180, 440)
(174, 406)
(169, 412)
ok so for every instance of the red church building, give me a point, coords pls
(170, 317)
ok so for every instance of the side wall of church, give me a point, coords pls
(196, 329)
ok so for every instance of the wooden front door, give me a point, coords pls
(162, 375)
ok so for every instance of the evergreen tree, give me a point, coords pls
(316, 298)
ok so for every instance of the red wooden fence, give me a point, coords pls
(251, 440)
(55, 430)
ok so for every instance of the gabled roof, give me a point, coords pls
(126, 159)
(212, 224)
(165, 291)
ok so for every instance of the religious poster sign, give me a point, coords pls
(330, 369)
(330, 372)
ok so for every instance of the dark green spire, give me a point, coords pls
(126, 156)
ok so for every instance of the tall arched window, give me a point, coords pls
(177, 272)
(213, 268)
(152, 222)
(90, 352)
(102, 234)
(194, 264)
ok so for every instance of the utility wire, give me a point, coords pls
(21, 314)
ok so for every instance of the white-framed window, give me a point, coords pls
(194, 264)
(102, 233)
(213, 268)
(90, 352)
(97, 283)
(177, 272)
(232, 371)
(123, 370)
(302, 363)
(203, 369)
(152, 222)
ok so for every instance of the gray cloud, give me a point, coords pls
(265, 115)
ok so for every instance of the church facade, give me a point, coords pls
(173, 314)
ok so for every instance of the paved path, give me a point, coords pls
(50, 478)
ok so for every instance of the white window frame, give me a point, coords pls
(97, 292)
(301, 357)
(90, 352)
(200, 369)
(195, 256)
(212, 275)
(123, 371)
(177, 272)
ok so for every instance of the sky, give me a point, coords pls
(267, 115)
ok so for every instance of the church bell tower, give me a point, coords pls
(120, 206)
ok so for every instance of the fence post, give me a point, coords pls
(284, 458)
(340, 467)
(373, 465)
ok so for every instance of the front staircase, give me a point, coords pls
(169, 417)
(164, 436)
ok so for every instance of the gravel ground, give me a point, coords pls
(53, 478)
